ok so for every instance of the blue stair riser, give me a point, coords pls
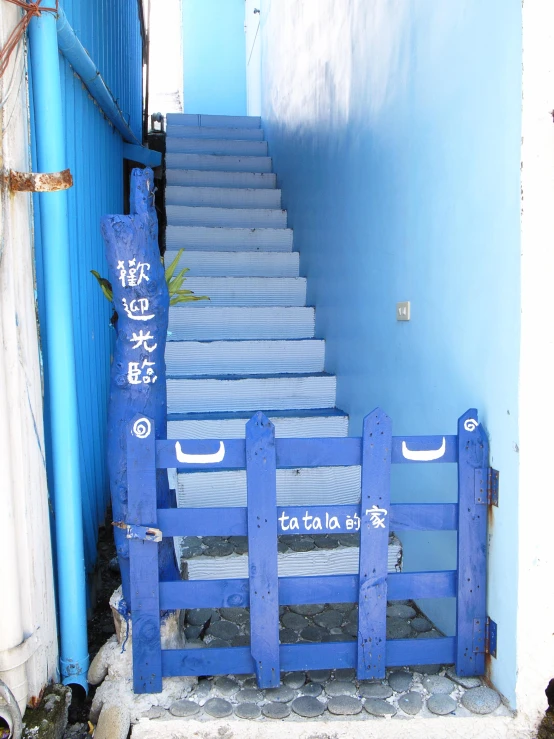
(246, 291)
(213, 121)
(216, 146)
(191, 323)
(218, 163)
(207, 178)
(303, 487)
(250, 394)
(237, 263)
(244, 357)
(223, 197)
(203, 132)
(210, 238)
(302, 425)
(183, 215)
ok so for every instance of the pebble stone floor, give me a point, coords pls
(420, 689)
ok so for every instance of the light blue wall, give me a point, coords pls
(214, 57)
(394, 128)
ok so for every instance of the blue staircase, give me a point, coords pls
(252, 346)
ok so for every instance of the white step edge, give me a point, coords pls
(223, 197)
(246, 291)
(341, 561)
(211, 395)
(181, 145)
(188, 322)
(213, 121)
(194, 358)
(203, 132)
(184, 215)
(205, 178)
(237, 263)
(213, 238)
(218, 163)
(303, 487)
(286, 427)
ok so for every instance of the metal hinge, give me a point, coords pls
(486, 486)
(134, 531)
(484, 636)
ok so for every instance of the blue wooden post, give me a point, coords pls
(141, 480)
(471, 606)
(262, 549)
(138, 379)
(374, 540)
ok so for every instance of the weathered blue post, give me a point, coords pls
(138, 383)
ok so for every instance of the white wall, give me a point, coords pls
(27, 613)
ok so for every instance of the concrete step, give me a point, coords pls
(245, 291)
(189, 322)
(219, 163)
(223, 197)
(185, 215)
(181, 145)
(237, 263)
(215, 394)
(213, 121)
(341, 561)
(306, 424)
(228, 239)
(304, 487)
(203, 132)
(205, 178)
(184, 358)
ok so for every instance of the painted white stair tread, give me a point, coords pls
(223, 163)
(213, 238)
(302, 487)
(341, 561)
(188, 322)
(243, 291)
(204, 132)
(293, 424)
(213, 121)
(244, 357)
(223, 197)
(181, 145)
(209, 394)
(205, 178)
(237, 263)
(184, 215)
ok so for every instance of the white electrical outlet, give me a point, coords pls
(403, 311)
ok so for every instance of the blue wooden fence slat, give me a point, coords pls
(473, 454)
(144, 574)
(293, 453)
(233, 521)
(296, 590)
(261, 485)
(374, 540)
(298, 657)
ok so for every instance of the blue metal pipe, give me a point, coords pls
(64, 430)
(77, 56)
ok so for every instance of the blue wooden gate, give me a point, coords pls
(260, 454)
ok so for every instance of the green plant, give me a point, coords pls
(177, 294)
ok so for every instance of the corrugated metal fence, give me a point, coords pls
(110, 30)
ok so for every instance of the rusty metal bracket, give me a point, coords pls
(134, 531)
(38, 181)
(486, 486)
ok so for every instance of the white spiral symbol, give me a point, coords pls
(470, 424)
(142, 428)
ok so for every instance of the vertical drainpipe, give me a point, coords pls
(47, 98)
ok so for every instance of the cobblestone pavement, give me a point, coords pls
(415, 690)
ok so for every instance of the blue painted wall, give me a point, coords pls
(110, 31)
(395, 133)
(214, 57)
